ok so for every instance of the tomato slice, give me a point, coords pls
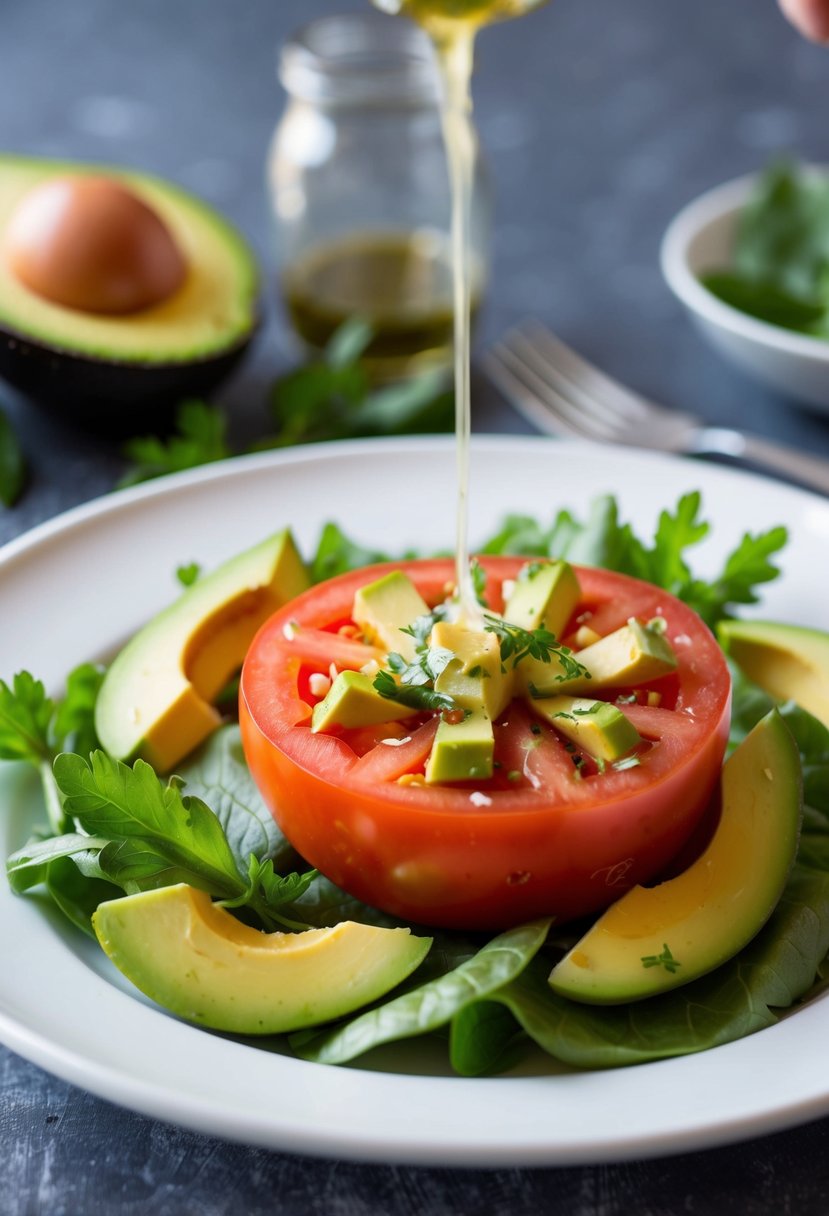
(546, 835)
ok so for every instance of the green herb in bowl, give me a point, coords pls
(780, 266)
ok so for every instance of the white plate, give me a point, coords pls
(76, 586)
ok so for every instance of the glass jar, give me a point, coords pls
(360, 192)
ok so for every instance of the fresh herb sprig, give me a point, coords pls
(778, 271)
(200, 438)
(416, 696)
(35, 728)
(603, 539)
(518, 644)
(135, 832)
(330, 397)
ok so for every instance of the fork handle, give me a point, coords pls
(810, 471)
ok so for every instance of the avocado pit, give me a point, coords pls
(91, 244)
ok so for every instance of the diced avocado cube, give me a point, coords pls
(462, 751)
(546, 595)
(353, 700)
(382, 609)
(474, 678)
(600, 728)
(631, 655)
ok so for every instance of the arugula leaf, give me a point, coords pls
(143, 834)
(744, 569)
(199, 439)
(12, 464)
(108, 798)
(336, 554)
(74, 721)
(25, 718)
(604, 540)
(272, 892)
(218, 775)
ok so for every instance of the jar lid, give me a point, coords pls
(360, 59)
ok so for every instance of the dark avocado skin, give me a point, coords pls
(120, 398)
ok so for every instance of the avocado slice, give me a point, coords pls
(597, 726)
(788, 661)
(656, 938)
(475, 677)
(195, 959)
(462, 751)
(353, 700)
(382, 609)
(124, 370)
(155, 701)
(631, 655)
(545, 596)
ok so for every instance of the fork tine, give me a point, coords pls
(586, 406)
(537, 400)
(593, 383)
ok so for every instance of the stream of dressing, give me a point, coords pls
(455, 58)
(452, 26)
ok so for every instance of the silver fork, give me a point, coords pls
(562, 394)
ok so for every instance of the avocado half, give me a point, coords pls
(128, 370)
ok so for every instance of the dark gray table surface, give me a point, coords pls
(600, 119)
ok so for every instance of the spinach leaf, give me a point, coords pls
(78, 895)
(483, 1037)
(780, 264)
(743, 996)
(430, 1006)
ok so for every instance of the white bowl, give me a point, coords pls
(700, 239)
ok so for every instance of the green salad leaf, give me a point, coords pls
(745, 995)
(603, 539)
(218, 776)
(430, 1006)
(780, 264)
(13, 469)
(200, 437)
(117, 828)
(34, 727)
(136, 833)
(329, 397)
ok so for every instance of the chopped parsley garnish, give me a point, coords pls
(422, 626)
(416, 696)
(427, 666)
(518, 644)
(665, 959)
(478, 574)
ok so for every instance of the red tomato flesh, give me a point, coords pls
(546, 836)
